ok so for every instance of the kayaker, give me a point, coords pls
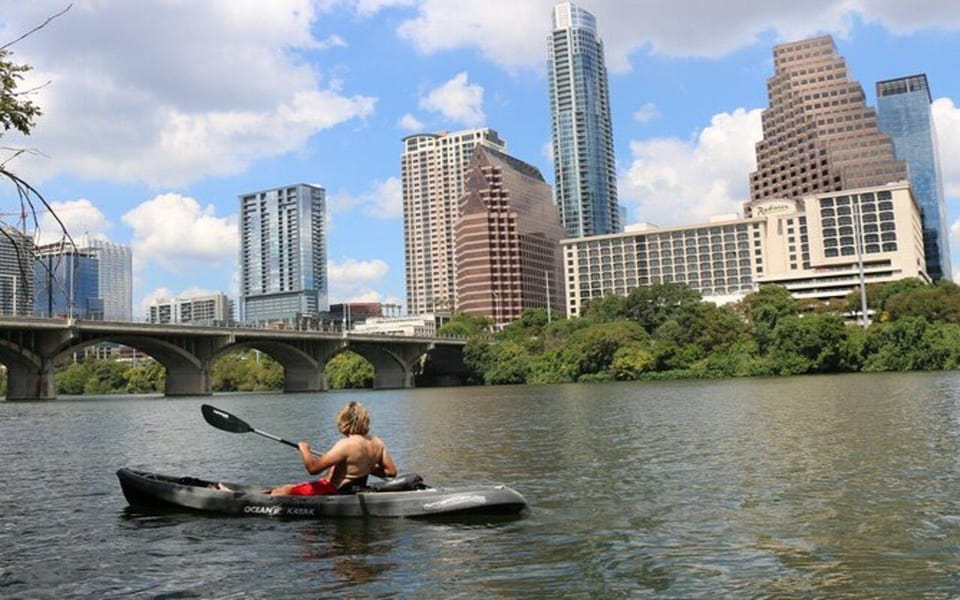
(350, 459)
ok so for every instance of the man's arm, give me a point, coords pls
(318, 464)
(386, 467)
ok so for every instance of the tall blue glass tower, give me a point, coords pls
(67, 282)
(283, 254)
(583, 159)
(904, 113)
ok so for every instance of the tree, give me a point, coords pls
(632, 361)
(463, 325)
(508, 363)
(17, 111)
(809, 344)
(911, 344)
(349, 370)
(939, 302)
(764, 308)
(147, 376)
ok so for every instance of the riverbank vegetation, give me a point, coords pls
(668, 331)
(663, 331)
(242, 371)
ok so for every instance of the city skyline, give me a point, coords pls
(327, 91)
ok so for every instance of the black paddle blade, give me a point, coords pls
(221, 419)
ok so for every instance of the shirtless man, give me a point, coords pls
(350, 459)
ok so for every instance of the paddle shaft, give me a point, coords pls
(283, 441)
(221, 419)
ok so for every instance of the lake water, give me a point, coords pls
(808, 487)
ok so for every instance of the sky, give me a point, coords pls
(158, 114)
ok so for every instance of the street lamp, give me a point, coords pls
(859, 243)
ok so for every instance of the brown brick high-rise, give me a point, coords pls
(818, 133)
(507, 240)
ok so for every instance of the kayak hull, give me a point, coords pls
(151, 490)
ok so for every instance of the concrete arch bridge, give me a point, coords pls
(30, 347)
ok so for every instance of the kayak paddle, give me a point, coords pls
(221, 419)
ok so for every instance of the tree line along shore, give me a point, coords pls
(664, 331)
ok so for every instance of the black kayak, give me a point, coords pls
(402, 496)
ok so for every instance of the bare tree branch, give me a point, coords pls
(37, 28)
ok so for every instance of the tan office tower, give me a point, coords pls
(507, 240)
(432, 172)
(818, 133)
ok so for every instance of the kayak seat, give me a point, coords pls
(401, 483)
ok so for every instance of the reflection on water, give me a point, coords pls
(839, 486)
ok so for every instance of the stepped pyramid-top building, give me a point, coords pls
(818, 133)
(507, 239)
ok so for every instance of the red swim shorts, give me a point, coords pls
(314, 488)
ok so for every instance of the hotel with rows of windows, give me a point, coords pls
(813, 246)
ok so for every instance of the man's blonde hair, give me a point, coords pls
(353, 419)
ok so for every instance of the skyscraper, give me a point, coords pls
(115, 278)
(507, 240)
(818, 133)
(583, 159)
(16, 272)
(903, 110)
(67, 282)
(432, 172)
(283, 254)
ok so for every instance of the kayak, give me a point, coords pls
(402, 496)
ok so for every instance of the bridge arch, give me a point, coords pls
(302, 372)
(29, 347)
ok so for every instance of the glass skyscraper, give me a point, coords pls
(67, 282)
(116, 278)
(903, 111)
(16, 272)
(283, 254)
(583, 159)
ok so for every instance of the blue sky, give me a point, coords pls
(158, 114)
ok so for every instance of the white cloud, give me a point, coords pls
(175, 233)
(946, 117)
(78, 217)
(678, 182)
(647, 112)
(332, 41)
(547, 150)
(159, 114)
(384, 200)
(409, 122)
(513, 34)
(458, 101)
(353, 280)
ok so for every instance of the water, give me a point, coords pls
(812, 487)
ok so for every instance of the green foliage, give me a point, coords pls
(110, 377)
(145, 377)
(462, 325)
(247, 371)
(764, 308)
(592, 349)
(632, 361)
(16, 111)
(349, 370)
(911, 344)
(508, 363)
(553, 366)
(808, 344)
(739, 360)
(933, 303)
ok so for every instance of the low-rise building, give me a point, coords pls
(212, 309)
(810, 246)
(414, 326)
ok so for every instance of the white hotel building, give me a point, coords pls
(809, 246)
